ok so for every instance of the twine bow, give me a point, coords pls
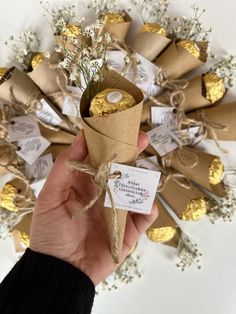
(100, 177)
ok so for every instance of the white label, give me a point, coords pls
(37, 186)
(46, 114)
(22, 127)
(162, 140)
(30, 149)
(195, 135)
(135, 190)
(164, 116)
(71, 106)
(40, 168)
(114, 97)
(150, 163)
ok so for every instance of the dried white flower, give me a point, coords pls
(102, 6)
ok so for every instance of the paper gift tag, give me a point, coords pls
(30, 149)
(71, 106)
(150, 163)
(40, 168)
(162, 140)
(164, 116)
(23, 127)
(46, 114)
(195, 134)
(135, 190)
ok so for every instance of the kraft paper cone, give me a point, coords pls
(112, 135)
(224, 115)
(56, 150)
(200, 172)
(119, 30)
(149, 45)
(22, 227)
(57, 137)
(146, 113)
(179, 197)
(25, 197)
(176, 61)
(165, 220)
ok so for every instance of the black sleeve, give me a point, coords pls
(42, 284)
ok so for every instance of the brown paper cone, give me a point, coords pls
(163, 220)
(25, 224)
(25, 197)
(149, 45)
(113, 135)
(22, 227)
(57, 137)
(200, 172)
(56, 150)
(119, 30)
(146, 113)
(224, 115)
(176, 61)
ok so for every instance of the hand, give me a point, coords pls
(83, 242)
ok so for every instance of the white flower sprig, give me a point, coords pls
(59, 17)
(101, 7)
(225, 68)
(153, 11)
(190, 28)
(188, 253)
(23, 48)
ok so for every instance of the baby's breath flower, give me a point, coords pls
(102, 6)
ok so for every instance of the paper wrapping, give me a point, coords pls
(10, 162)
(149, 45)
(176, 61)
(119, 30)
(146, 113)
(200, 172)
(113, 135)
(22, 229)
(25, 92)
(57, 137)
(165, 220)
(56, 150)
(223, 114)
(179, 199)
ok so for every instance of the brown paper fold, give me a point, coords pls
(176, 61)
(113, 135)
(57, 137)
(199, 172)
(164, 219)
(56, 150)
(23, 226)
(149, 45)
(119, 30)
(224, 115)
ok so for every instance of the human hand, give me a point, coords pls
(81, 242)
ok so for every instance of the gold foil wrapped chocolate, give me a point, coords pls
(214, 87)
(112, 18)
(191, 47)
(7, 197)
(216, 171)
(3, 71)
(195, 210)
(153, 28)
(25, 238)
(72, 30)
(37, 60)
(162, 235)
(109, 101)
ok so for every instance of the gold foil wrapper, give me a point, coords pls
(195, 210)
(71, 30)
(153, 28)
(113, 18)
(25, 239)
(214, 85)
(7, 196)
(216, 171)
(3, 71)
(191, 47)
(162, 235)
(37, 60)
(109, 101)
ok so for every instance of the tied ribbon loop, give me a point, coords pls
(100, 177)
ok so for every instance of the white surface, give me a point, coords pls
(163, 288)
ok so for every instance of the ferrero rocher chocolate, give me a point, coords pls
(153, 28)
(162, 235)
(7, 196)
(214, 87)
(191, 47)
(3, 71)
(71, 30)
(216, 171)
(112, 18)
(194, 210)
(25, 238)
(109, 101)
(37, 60)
